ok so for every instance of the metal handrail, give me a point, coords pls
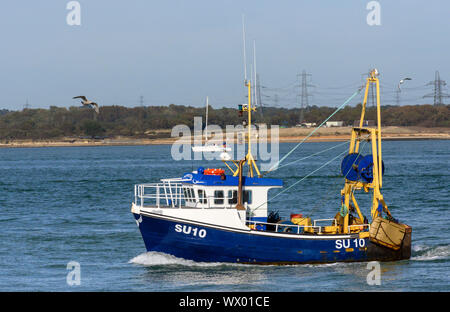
(304, 226)
(172, 192)
(284, 225)
(323, 220)
(358, 225)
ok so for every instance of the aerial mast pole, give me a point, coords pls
(249, 109)
(206, 121)
(245, 58)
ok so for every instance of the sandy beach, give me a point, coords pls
(285, 135)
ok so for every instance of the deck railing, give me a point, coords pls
(360, 227)
(277, 226)
(165, 194)
(300, 228)
(170, 193)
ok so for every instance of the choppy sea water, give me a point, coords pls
(73, 204)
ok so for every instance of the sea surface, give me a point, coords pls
(65, 204)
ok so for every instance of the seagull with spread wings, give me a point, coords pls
(87, 102)
(402, 81)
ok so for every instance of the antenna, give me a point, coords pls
(254, 70)
(251, 80)
(245, 58)
(206, 121)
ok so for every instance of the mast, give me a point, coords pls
(255, 97)
(243, 39)
(206, 121)
(249, 159)
(249, 109)
(252, 167)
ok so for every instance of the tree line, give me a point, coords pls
(140, 122)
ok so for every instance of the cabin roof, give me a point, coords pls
(229, 180)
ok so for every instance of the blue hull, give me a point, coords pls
(209, 243)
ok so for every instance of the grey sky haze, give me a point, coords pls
(181, 51)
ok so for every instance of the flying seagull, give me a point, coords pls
(87, 102)
(402, 81)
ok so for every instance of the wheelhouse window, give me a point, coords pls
(248, 197)
(201, 196)
(186, 194)
(192, 195)
(218, 197)
(189, 194)
(232, 197)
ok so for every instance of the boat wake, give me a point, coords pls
(154, 258)
(429, 253)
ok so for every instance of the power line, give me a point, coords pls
(26, 105)
(304, 103)
(397, 97)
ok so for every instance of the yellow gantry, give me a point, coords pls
(374, 136)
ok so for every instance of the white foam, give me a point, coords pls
(154, 258)
(320, 265)
(431, 253)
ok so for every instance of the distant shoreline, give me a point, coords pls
(286, 135)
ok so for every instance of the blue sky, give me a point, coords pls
(181, 51)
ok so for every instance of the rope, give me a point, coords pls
(325, 196)
(318, 153)
(317, 128)
(291, 186)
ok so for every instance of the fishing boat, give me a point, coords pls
(208, 146)
(212, 215)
